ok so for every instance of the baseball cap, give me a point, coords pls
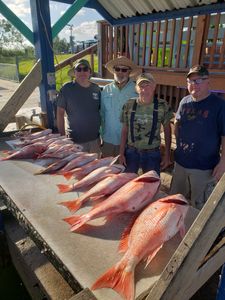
(77, 64)
(198, 69)
(145, 77)
(82, 62)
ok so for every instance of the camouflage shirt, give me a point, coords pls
(143, 122)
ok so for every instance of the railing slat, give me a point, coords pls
(144, 43)
(164, 43)
(222, 54)
(137, 44)
(110, 44)
(215, 35)
(172, 35)
(155, 54)
(151, 27)
(179, 43)
(115, 43)
(187, 48)
(126, 41)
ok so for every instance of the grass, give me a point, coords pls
(61, 76)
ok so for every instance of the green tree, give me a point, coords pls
(60, 45)
(10, 37)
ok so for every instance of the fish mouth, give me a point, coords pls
(148, 179)
(176, 201)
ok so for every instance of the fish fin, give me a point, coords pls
(79, 222)
(114, 160)
(71, 220)
(152, 255)
(123, 245)
(68, 175)
(118, 279)
(73, 205)
(64, 188)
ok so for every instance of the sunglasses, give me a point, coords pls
(196, 81)
(124, 70)
(84, 69)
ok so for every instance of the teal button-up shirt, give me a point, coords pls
(112, 101)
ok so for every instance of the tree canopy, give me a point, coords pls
(10, 37)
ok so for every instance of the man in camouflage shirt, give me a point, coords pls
(142, 118)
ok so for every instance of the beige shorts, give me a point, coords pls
(194, 184)
(110, 149)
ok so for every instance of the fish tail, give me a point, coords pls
(68, 175)
(73, 205)
(76, 221)
(64, 188)
(118, 279)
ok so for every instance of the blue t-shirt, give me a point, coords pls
(201, 126)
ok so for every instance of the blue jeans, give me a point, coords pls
(147, 160)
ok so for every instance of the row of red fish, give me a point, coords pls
(116, 192)
(43, 144)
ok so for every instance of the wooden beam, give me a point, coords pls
(178, 79)
(25, 89)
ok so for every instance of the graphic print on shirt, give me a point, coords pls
(190, 114)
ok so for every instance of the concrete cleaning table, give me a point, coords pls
(80, 257)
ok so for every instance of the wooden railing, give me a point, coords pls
(168, 48)
(69, 61)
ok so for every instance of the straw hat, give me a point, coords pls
(83, 62)
(123, 61)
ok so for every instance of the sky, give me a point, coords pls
(84, 22)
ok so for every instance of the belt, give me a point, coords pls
(143, 150)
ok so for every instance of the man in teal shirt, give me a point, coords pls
(113, 97)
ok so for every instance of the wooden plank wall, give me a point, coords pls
(171, 46)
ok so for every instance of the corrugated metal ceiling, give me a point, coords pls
(131, 8)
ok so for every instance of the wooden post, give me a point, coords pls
(199, 39)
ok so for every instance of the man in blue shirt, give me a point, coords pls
(113, 97)
(200, 135)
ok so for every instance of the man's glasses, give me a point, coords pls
(124, 70)
(196, 81)
(84, 69)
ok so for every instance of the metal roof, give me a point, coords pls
(119, 12)
(130, 8)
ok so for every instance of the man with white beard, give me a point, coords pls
(113, 97)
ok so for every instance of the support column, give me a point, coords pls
(44, 50)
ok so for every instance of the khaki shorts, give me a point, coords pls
(194, 184)
(92, 147)
(110, 150)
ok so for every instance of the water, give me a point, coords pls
(11, 285)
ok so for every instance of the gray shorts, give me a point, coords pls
(92, 147)
(194, 184)
(110, 149)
